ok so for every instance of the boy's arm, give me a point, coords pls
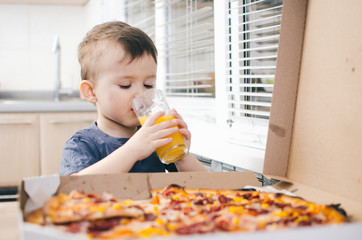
(121, 160)
(190, 164)
(142, 144)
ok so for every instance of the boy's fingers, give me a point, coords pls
(165, 125)
(186, 133)
(181, 122)
(152, 119)
(162, 142)
(175, 113)
(164, 133)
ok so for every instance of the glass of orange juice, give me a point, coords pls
(148, 103)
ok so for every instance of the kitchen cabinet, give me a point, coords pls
(19, 147)
(55, 130)
(31, 144)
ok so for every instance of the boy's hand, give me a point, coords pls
(183, 128)
(151, 136)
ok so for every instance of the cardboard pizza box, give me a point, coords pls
(315, 130)
(36, 191)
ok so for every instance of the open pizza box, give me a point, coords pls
(314, 139)
(137, 186)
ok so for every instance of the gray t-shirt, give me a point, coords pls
(89, 145)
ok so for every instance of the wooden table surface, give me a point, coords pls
(9, 221)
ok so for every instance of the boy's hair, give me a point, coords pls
(133, 40)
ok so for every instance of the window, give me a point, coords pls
(252, 44)
(187, 48)
(216, 65)
(141, 14)
(185, 41)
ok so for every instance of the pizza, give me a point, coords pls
(175, 211)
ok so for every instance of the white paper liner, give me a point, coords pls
(40, 190)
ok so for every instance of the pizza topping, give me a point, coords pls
(74, 227)
(175, 205)
(103, 225)
(171, 190)
(338, 208)
(150, 216)
(187, 210)
(248, 189)
(151, 231)
(281, 205)
(224, 199)
(256, 212)
(199, 227)
(212, 209)
(224, 223)
(203, 201)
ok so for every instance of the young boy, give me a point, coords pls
(117, 63)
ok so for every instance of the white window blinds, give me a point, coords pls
(252, 44)
(141, 14)
(185, 43)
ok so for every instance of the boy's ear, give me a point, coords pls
(86, 90)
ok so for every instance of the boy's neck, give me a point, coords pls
(116, 130)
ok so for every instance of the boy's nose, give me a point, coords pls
(137, 91)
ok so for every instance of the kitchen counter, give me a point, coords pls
(69, 105)
(9, 221)
(43, 101)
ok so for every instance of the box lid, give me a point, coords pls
(315, 131)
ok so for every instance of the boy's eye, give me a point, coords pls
(148, 85)
(125, 86)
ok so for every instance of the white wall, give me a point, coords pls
(26, 36)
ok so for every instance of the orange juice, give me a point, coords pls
(173, 151)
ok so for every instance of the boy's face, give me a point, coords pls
(118, 81)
